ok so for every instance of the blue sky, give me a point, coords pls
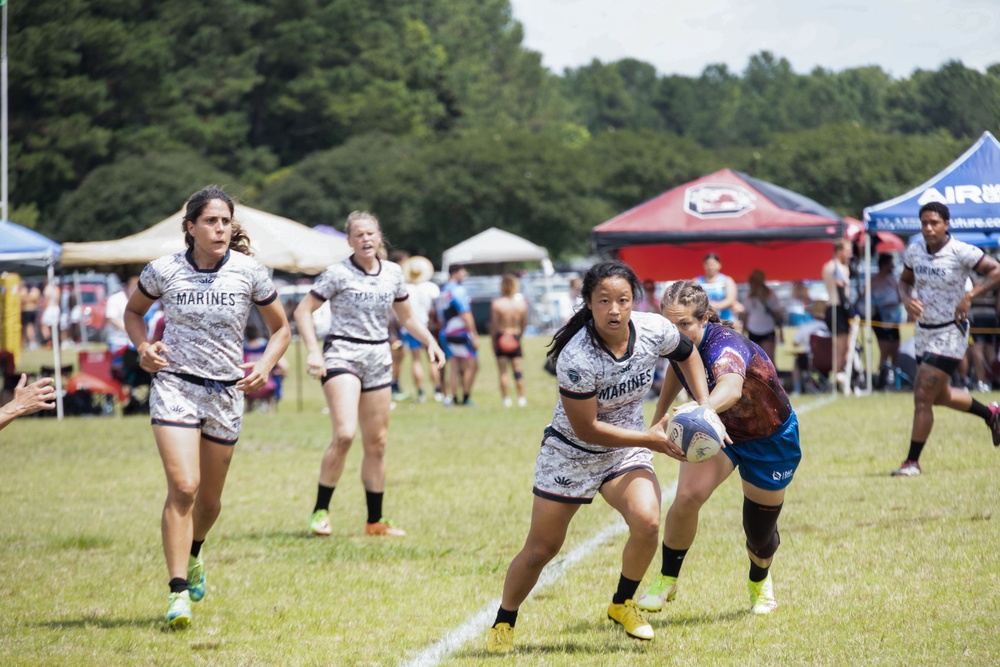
(683, 37)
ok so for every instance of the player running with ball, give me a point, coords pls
(598, 443)
(747, 395)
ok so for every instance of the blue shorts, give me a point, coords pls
(409, 341)
(769, 463)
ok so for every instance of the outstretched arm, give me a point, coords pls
(28, 399)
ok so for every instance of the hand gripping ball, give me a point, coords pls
(698, 430)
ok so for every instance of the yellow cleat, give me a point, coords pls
(629, 617)
(501, 639)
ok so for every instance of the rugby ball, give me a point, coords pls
(698, 430)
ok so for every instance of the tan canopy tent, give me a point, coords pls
(279, 243)
(493, 246)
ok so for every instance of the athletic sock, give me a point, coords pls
(178, 585)
(504, 616)
(466, 399)
(981, 410)
(915, 449)
(196, 547)
(672, 561)
(758, 573)
(323, 496)
(626, 590)
(374, 501)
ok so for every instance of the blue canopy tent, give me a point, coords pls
(969, 187)
(28, 252)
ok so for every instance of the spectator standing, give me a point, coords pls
(31, 295)
(418, 272)
(721, 289)
(887, 314)
(836, 276)
(508, 319)
(763, 316)
(459, 337)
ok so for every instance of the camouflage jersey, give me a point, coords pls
(206, 310)
(586, 368)
(361, 303)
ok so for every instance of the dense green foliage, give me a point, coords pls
(433, 114)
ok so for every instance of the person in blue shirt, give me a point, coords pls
(459, 338)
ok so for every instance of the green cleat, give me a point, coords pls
(196, 578)
(179, 611)
(762, 596)
(319, 524)
(627, 615)
(501, 639)
(663, 590)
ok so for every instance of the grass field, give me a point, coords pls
(872, 570)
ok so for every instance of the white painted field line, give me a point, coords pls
(475, 625)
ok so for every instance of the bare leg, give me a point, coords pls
(549, 521)
(342, 396)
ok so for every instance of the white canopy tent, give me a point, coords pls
(495, 246)
(277, 242)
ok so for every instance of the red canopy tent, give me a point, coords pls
(751, 224)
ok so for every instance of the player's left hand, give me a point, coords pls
(256, 379)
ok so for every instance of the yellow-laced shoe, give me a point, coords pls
(501, 639)
(629, 617)
(762, 599)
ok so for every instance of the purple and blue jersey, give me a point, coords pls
(763, 406)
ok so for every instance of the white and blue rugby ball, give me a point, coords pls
(698, 430)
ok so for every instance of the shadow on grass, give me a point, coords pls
(155, 622)
(695, 619)
(561, 649)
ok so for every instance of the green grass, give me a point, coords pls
(872, 570)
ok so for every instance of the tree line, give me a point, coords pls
(432, 114)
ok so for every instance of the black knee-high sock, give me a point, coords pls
(196, 547)
(374, 501)
(626, 589)
(672, 561)
(323, 496)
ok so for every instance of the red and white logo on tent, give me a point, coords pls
(709, 200)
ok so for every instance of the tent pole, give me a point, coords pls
(56, 345)
(868, 315)
(3, 112)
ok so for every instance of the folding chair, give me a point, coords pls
(817, 376)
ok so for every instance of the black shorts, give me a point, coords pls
(762, 338)
(28, 317)
(987, 322)
(886, 334)
(843, 326)
(946, 364)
